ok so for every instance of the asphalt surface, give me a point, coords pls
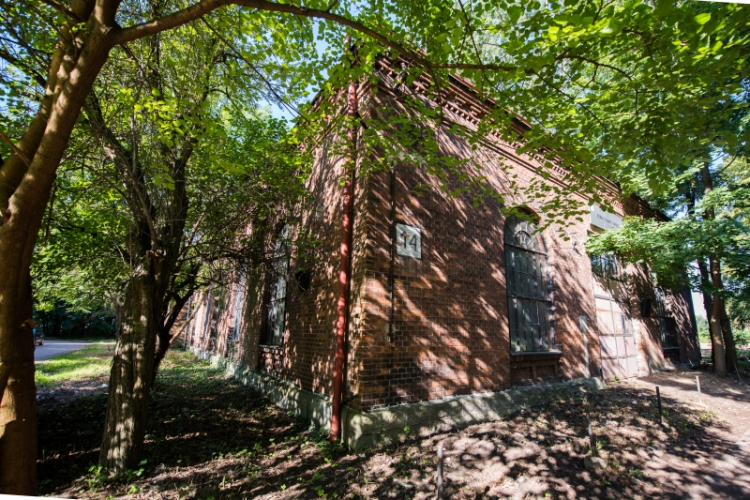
(52, 348)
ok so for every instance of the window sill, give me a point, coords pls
(538, 353)
(268, 346)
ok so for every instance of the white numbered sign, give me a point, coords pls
(408, 241)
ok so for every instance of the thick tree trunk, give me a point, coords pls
(23, 203)
(130, 378)
(708, 302)
(25, 182)
(18, 405)
(726, 331)
(719, 354)
(714, 268)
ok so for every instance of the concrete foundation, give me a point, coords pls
(364, 430)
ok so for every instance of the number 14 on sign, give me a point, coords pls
(408, 241)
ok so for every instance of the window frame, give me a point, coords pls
(527, 311)
(603, 264)
(280, 259)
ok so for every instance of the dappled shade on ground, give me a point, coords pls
(209, 437)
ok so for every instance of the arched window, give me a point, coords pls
(529, 301)
(278, 280)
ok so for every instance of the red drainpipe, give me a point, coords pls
(345, 264)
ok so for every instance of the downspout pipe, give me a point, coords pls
(347, 204)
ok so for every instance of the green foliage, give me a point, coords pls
(631, 91)
(704, 335)
(742, 338)
(626, 91)
(96, 478)
(65, 322)
(195, 104)
(619, 90)
(718, 225)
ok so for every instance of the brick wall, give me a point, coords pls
(429, 328)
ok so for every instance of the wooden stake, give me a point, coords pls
(592, 441)
(440, 474)
(698, 385)
(658, 400)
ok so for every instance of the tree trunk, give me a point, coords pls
(719, 355)
(714, 267)
(708, 302)
(130, 378)
(726, 331)
(26, 189)
(18, 405)
(165, 337)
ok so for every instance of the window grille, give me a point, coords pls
(239, 305)
(206, 314)
(667, 323)
(279, 277)
(216, 317)
(607, 266)
(529, 303)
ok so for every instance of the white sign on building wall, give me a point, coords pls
(408, 241)
(603, 219)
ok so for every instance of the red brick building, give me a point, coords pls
(454, 310)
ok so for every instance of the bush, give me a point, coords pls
(741, 338)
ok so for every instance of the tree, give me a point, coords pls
(87, 31)
(713, 229)
(183, 166)
(547, 66)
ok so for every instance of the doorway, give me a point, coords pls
(616, 338)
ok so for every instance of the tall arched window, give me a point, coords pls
(278, 280)
(529, 301)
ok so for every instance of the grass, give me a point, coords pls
(210, 437)
(88, 363)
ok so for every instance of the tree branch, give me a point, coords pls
(596, 63)
(7, 56)
(203, 7)
(15, 149)
(62, 9)
(260, 75)
(122, 159)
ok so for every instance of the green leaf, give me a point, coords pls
(702, 18)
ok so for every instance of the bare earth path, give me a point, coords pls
(53, 348)
(700, 474)
(211, 438)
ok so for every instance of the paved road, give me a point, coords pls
(53, 348)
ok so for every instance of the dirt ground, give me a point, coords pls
(212, 438)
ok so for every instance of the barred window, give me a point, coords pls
(529, 303)
(278, 279)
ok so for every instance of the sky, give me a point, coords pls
(698, 302)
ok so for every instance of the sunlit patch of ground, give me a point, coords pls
(210, 437)
(85, 364)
